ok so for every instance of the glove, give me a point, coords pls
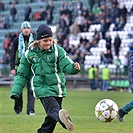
(14, 97)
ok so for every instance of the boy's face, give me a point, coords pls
(45, 43)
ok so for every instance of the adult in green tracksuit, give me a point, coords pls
(48, 62)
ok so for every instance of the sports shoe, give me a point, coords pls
(30, 114)
(63, 115)
(121, 114)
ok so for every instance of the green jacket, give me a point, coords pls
(48, 68)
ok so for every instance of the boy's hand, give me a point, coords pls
(77, 66)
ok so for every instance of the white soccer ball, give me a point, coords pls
(106, 110)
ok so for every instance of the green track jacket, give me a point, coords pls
(47, 68)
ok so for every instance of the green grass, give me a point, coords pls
(79, 104)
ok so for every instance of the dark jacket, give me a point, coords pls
(14, 60)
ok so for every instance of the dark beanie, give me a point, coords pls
(43, 31)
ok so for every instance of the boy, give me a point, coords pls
(48, 63)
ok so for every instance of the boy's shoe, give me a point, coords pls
(63, 115)
(121, 114)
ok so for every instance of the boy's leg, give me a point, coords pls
(52, 107)
(48, 125)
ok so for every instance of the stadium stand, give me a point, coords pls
(93, 56)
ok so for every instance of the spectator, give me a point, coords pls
(49, 18)
(86, 26)
(74, 30)
(50, 9)
(109, 56)
(79, 6)
(6, 22)
(96, 9)
(115, 12)
(85, 12)
(108, 41)
(119, 24)
(36, 16)
(103, 28)
(7, 43)
(80, 20)
(106, 58)
(63, 25)
(117, 44)
(91, 4)
(43, 14)
(13, 12)
(115, 2)
(60, 38)
(2, 6)
(108, 23)
(28, 11)
(103, 59)
(71, 12)
(108, 4)
(124, 13)
(108, 13)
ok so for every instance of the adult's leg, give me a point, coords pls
(30, 100)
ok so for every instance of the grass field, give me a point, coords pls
(79, 103)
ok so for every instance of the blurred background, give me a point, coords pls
(95, 33)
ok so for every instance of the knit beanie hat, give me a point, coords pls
(43, 31)
(25, 24)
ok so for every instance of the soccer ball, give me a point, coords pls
(106, 110)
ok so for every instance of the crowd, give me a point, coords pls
(77, 18)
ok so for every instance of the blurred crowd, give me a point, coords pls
(74, 19)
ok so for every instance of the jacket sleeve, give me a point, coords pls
(66, 64)
(23, 74)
